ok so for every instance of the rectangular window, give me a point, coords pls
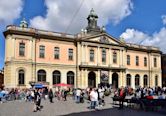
(155, 62)
(41, 51)
(56, 52)
(145, 61)
(128, 59)
(115, 57)
(137, 61)
(103, 55)
(91, 55)
(22, 49)
(70, 54)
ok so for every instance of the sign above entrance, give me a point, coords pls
(104, 76)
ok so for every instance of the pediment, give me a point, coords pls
(104, 38)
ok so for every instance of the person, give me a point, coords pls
(122, 96)
(37, 100)
(50, 95)
(93, 99)
(78, 94)
(65, 95)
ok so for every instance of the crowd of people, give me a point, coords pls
(94, 95)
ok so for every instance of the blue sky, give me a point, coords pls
(137, 21)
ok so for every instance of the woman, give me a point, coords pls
(50, 95)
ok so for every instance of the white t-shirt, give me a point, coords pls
(78, 92)
(94, 96)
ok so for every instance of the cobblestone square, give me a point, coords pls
(68, 108)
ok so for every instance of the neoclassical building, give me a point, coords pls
(86, 59)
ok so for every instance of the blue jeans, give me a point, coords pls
(92, 104)
(78, 99)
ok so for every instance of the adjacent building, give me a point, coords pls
(163, 63)
(1, 78)
(86, 59)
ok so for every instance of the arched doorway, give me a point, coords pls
(115, 80)
(91, 79)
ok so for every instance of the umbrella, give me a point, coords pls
(62, 85)
(38, 86)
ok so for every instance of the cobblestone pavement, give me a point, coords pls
(68, 108)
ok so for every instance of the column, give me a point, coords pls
(86, 79)
(123, 79)
(141, 81)
(98, 78)
(133, 82)
(86, 54)
(49, 77)
(82, 54)
(98, 55)
(110, 77)
(120, 58)
(120, 79)
(109, 58)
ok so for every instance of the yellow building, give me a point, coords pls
(86, 59)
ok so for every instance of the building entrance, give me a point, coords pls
(115, 80)
(91, 79)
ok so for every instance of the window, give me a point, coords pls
(70, 78)
(137, 61)
(70, 53)
(137, 81)
(22, 49)
(56, 77)
(128, 59)
(103, 55)
(114, 57)
(42, 51)
(56, 52)
(41, 76)
(91, 55)
(21, 77)
(155, 62)
(128, 81)
(145, 61)
(156, 80)
(145, 80)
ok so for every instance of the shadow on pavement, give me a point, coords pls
(116, 112)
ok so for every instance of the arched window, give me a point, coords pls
(56, 77)
(21, 77)
(70, 78)
(145, 80)
(137, 80)
(41, 76)
(128, 80)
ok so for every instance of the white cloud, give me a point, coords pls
(60, 12)
(157, 39)
(164, 19)
(10, 10)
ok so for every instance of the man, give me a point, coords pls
(93, 98)
(37, 100)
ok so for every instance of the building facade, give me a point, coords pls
(86, 59)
